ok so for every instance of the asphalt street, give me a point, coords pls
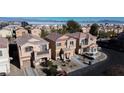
(114, 57)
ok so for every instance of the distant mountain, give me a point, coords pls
(110, 21)
(38, 19)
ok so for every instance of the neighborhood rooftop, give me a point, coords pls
(26, 38)
(78, 35)
(53, 36)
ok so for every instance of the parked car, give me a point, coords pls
(2, 74)
(90, 55)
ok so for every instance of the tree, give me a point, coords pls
(3, 24)
(53, 70)
(102, 34)
(24, 24)
(111, 34)
(73, 26)
(43, 33)
(28, 28)
(64, 30)
(94, 29)
(61, 30)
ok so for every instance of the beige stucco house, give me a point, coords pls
(21, 32)
(4, 56)
(32, 50)
(62, 46)
(5, 33)
(85, 43)
(85, 29)
(36, 32)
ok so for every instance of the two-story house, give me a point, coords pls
(85, 43)
(20, 32)
(32, 50)
(5, 33)
(62, 46)
(36, 32)
(4, 56)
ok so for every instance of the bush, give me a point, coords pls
(102, 34)
(53, 70)
(49, 63)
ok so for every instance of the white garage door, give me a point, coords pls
(3, 68)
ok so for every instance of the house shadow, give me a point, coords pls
(13, 52)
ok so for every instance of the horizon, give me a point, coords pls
(66, 18)
(62, 20)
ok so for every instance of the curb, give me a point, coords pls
(104, 58)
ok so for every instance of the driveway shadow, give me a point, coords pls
(13, 52)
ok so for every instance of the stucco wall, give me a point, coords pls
(4, 61)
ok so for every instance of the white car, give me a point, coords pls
(91, 55)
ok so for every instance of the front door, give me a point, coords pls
(61, 54)
(67, 55)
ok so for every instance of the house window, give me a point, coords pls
(57, 55)
(71, 43)
(66, 43)
(92, 50)
(1, 53)
(86, 41)
(85, 50)
(29, 49)
(95, 50)
(58, 44)
(82, 42)
(44, 47)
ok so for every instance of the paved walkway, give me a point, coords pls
(30, 72)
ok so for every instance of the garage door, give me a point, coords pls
(3, 68)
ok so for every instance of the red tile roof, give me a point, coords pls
(53, 36)
(79, 35)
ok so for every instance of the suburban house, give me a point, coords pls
(85, 43)
(21, 32)
(85, 29)
(114, 28)
(36, 32)
(62, 46)
(5, 33)
(4, 56)
(32, 50)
